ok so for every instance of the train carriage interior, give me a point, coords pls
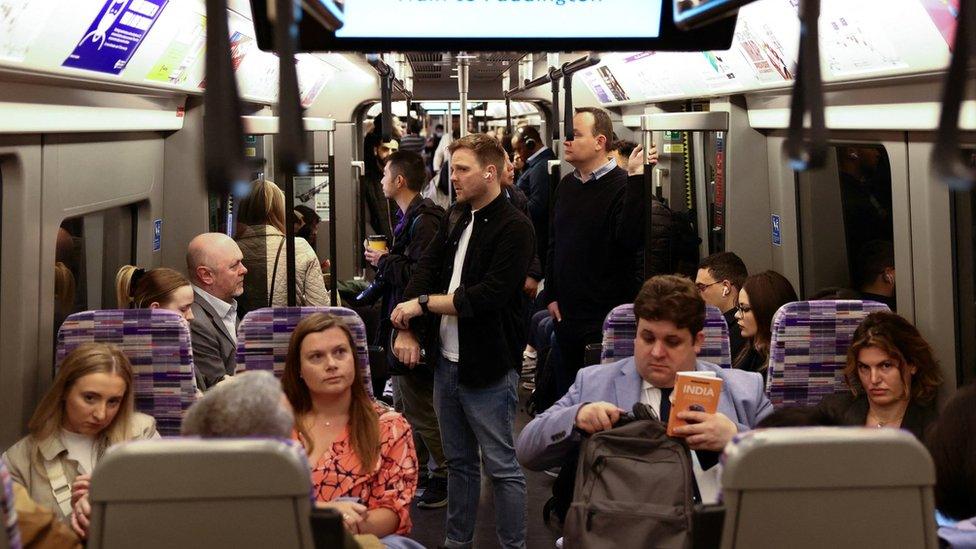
(827, 142)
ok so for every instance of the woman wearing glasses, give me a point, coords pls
(761, 295)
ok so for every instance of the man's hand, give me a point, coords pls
(405, 311)
(554, 311)
(635, 164)
(353, 514)
(706, 431)
(531, 287)
(81, 517)
(406, 348)
(597, 416)
(373, 256)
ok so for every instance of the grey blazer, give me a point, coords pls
(551, 435)
(214, 351)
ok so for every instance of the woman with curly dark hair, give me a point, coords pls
(892, 375)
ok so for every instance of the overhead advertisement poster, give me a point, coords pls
(852, 43)
(114, 36)
(20, 22)
(943, 13)
(183, 53)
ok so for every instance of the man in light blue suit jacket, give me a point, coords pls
(670, 314)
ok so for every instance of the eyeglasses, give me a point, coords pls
(744, 309)
(703, 287)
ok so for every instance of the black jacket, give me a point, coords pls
(521, 202)
(846, 409)
(534, 182)
(491, 320)
(412, 236)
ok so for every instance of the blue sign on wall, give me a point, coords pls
(157, 235)
(115, 35)
(777, 232)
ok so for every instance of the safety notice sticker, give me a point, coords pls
(115, 35)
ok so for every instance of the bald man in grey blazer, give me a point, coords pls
(213, 261)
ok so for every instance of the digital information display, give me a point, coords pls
(533, 19)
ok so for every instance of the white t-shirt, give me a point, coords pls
(81, 448)
(450, 348)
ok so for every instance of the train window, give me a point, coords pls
(857, 253)
(90, 250)
(964, 214)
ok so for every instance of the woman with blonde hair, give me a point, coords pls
(262, 241)
(361, 452)
(159, 288)
(88, 409)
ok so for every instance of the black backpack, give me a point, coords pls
(683, 243)
(634, 488)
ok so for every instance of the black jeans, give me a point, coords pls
(572, 337)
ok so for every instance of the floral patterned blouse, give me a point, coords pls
(391, 485)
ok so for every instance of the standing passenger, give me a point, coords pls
(262, 244)
(874, 273)
(595, 233)
(761, 296)
(217, 272)
(720, 277)
(413, 392)
(534, 182)
(476, 265)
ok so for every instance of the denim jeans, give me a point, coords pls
(472, 419)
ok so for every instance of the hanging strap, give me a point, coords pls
(59, 484)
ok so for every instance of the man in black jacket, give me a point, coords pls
(595, 235)
(534, 182)
(476, 264)
(403, 178)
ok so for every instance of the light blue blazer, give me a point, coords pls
(550, 436)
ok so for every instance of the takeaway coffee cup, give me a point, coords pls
(376, 242)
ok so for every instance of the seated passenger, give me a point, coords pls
(761, 296)
(88, 408)
(216, 270)
(874, 273)
(159, 288)
(670, 316)
(953, 446)
(361, 453)
(252, 406)
(892, 375)
(719, 279)
(262, 243)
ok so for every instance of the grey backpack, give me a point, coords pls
(634, 488)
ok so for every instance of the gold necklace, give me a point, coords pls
(881, 424)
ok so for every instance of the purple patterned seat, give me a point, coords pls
(263, 335)
(808, 349)
(620, 329)
(157, 342)
(8, 514)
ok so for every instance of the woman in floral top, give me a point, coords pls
(342, 429)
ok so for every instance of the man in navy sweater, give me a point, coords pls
(534, 182)
(595, 234)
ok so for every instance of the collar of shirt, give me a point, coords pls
(598, 173)
(536, 154)
(221, 307)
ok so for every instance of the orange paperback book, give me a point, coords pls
(695, 392)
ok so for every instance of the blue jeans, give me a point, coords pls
(472, 419)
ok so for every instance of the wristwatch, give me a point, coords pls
(423, 300)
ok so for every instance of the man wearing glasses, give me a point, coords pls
(720, 277)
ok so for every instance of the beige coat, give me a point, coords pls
(25, 459)
(259, 244)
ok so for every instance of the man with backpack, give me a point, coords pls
(413, 389)
(670, 316)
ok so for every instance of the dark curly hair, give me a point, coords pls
(674, 298)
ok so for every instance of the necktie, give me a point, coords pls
(665, 403)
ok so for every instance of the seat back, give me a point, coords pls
(10, 537)
(808, 348)
(187, 492)
(263, 336)
(157, 342)
(620, 329)
(837, 487)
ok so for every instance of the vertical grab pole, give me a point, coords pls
(291, 131)
(554, 172)
(333, 256)
(463, 71)
(650, 191)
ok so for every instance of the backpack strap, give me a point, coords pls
(59, 484)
